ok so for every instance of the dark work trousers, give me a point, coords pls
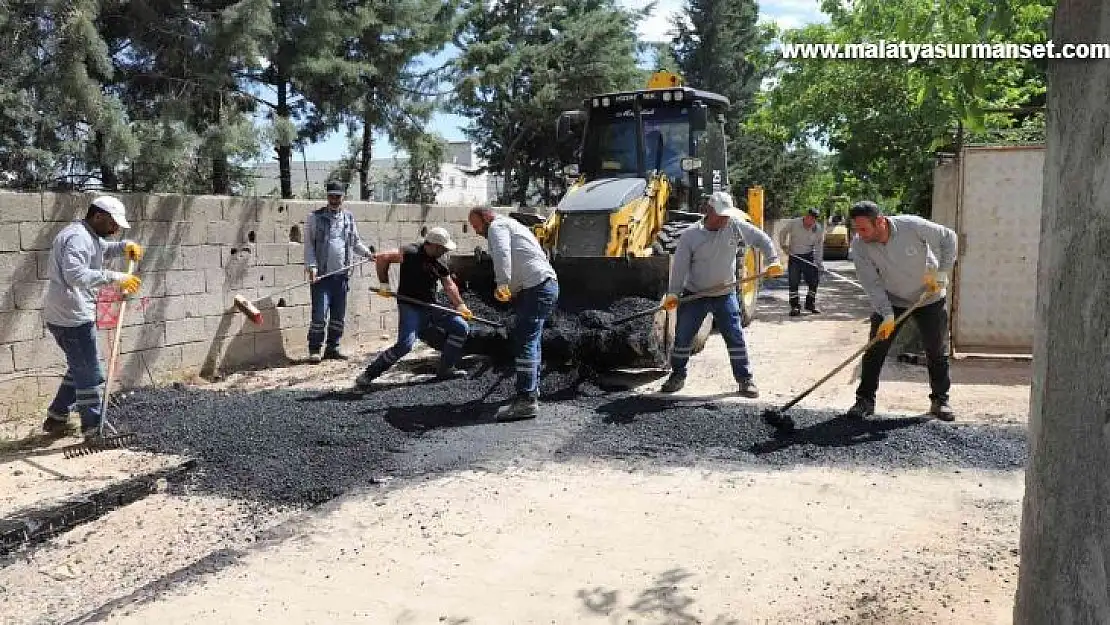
(932, 321)
(329, 308)
(799, 270)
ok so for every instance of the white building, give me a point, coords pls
(457, 184)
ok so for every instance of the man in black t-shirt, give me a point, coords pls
(422, 270)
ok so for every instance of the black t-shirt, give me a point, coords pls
(420, 273)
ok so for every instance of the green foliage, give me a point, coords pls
(522, 64)
(885, 118)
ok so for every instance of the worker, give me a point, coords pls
(330, 240)
(705, 263)
(423, 268)
(524, 277)
(803, 239)
(76, 269)
(898, 259)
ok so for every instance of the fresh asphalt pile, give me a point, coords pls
(578, 335)
(302, 448)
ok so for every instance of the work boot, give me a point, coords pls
(314, 357)
(523, 406)
(56, 424)
(795, 311)
(941, 410)
(862, 409)
(366, 379)
(450, 373)
(674, 383)
(748, 389)
(811, 306)
(91, 434)
(333, 353)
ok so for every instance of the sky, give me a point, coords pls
(787, 13)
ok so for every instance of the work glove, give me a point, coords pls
(503, 294)
(464, 312)
(670, 302)
(774, 270)
(133, 251)
(886, 328)
(128, 283)
(935, 280)
(385, 291)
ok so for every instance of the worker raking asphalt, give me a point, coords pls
(302, 448)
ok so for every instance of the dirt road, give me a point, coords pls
(618, 506)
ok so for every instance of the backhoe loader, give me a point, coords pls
(645, 161)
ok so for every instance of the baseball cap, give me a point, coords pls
(720, 202)
(813, 212)
(113, 207)
(337, 188)
(440, 236)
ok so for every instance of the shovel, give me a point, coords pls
(429, 305)
(688, 298)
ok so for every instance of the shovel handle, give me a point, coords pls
(873, 342)
(451, 311)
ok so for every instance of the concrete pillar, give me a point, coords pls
(1065, 536)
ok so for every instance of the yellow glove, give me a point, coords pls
(774, 270)
(464, 312)
(133, 251)
(670, 302)
(503, 294)
(385, 291)
(129, 283)
(886, 328)
(935, 280)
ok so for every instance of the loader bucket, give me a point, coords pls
(593, 293)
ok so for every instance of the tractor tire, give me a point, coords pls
(666, 241)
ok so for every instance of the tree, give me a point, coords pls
(1065, 533)
(522, 64)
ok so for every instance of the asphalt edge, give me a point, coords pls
(35, 525)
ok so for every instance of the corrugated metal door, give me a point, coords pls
(1000, 225)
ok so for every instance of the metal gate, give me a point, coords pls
(998, 218)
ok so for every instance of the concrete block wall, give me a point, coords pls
(200, 252)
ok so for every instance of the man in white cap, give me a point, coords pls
(75, 272)
(423, 268)
(704, 260)
(331, 240)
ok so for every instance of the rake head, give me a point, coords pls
(98, 444)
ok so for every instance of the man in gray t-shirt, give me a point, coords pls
(899, 259)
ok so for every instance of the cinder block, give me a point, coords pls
(271, 254)
(165, 308)
(296, 255)
(204, 208)
(64, 206)
(39, 354)
(20, 266)
(197, 355)
(7, 359)
(185, 331)
(295, 341)
(288, 275)
(222, 233)
(238, 352)
(291, 317)
(207, 304)
(21, 325)
(38, 235)
(196, 257)
(153, 283)
(17, 207)
(146, 336)
(185, 282)
(269, 345)
(9, 239)
(162, 207)
(224, 326)
(29, 295)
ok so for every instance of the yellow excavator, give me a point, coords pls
(643, 162)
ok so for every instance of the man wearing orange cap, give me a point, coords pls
(76, 270)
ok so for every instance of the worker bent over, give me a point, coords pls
(898, 259)
(422, 267)
(803, 239)
(525, 277)
(330, 240)
(705, 263)
(75, 271)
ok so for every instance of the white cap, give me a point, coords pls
(113, 207)
(721, 202)
(440, 236)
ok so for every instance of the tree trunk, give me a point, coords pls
(284, 152)
(1065, 533)
(108, 177)
(365, 156)
(221, 175)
